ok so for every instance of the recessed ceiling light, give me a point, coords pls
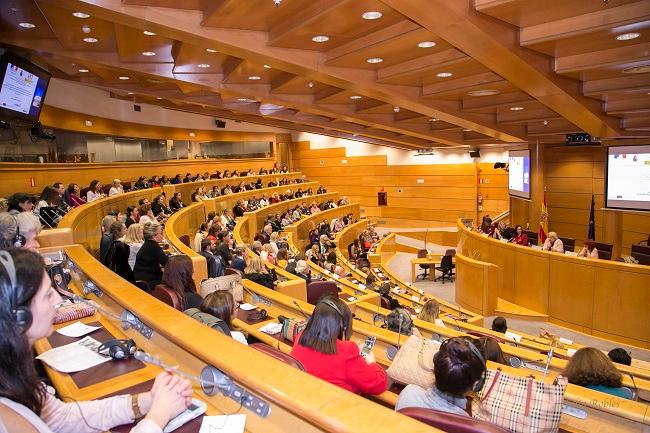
(637, 69)
(427, 44)
(203, 65)
(158, 98)
(320, 38)
(130, 93)
(124, 78)
(192, 134)
(396, 109)
(444, 74)
(90, 40)
(355, 97)
(484, 92)
(80, 15)
(371, 15)
(148, 53)
(467, 130)
(267, 67)
(27, 25)
(254, 77)
(375, 60)
(433, 119)
(246, 100)
(516, 108)
(627, 36)
(210, 50)
(310, 84)
(83, 70)
(148, 33)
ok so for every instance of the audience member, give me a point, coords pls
(220, 304)
(459, 368)
(553, 243)
(117, 257)
(151, 258)
(520, 238)
(116, 188)
(74, 199)
(303, 271)
(620, 356)
(223, 247)
(176, 203)
(256, 272)
(430, 311)
(490, 349)
(19, 231)
(239, 209)
(325, 350)
(502, 231)
(146, 214)
(141, 183)
(20, 202)
(499, 324)
(132, 216)
(216, 267)
(159, 208)
(94, 191)
(589, 250)
(177, 277)
(134, 239)
(33, 402)
(239, 261)
(589, 367)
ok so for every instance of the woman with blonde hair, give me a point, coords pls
(591, 368)
(134, 239)
(267, 254)
(257, 273)
(430, 311)
(117, 188)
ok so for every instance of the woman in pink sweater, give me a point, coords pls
(27, 308)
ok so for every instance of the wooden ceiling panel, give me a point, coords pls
(132, 43)
(176, 4)
(188, 57)
(459, 70)
(249, 15)
(457, 89)
(14, 12)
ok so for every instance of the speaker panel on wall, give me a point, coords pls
(475, 153)
(219, 123)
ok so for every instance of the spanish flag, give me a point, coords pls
(543, 222)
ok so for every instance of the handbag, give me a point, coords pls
(231, 283)
(291, 328)
(413, 363)
(520, 404)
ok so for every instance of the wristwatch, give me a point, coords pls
(137, 413)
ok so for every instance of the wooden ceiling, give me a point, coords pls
(445, 73)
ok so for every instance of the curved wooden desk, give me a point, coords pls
(603, 298)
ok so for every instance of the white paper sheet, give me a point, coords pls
(247, 307)
(223, 424)
(77, 329)
(272, 328)
(78, 356)
(513, 336)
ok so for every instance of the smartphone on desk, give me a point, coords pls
(196, 408)
(368, 345)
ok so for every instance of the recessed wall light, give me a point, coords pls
(355, 97)
(148, 33)
(203, 65)
(27, 25)
(426, 44)
(637, 69)
(483, 92)
(90, 40)
(516, 108)
(254, 77)
(627, 36)
(148, 53)
(444, 74)
(80, 15)
(320, 38)
(124, 77)
(371, 15)
(267, 67)
(375, 60)
(210, 50)
(83, 70)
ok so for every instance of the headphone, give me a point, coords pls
(21, 314)
(479, 383)
(18, 241)
(331, 303)
(118, 348)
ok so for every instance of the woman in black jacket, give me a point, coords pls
(176, 203)
(117, 258)
(257, 273)
(151, 259)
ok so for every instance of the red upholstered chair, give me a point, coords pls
(422, 253)
(385, 302)
(167, 295)
(318, 289)
(232, 271)
(275, 353)
(451, 422)
(185, 239)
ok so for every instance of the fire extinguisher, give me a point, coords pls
(480, 201)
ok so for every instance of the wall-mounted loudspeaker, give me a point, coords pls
(475, 153)
(219, 123)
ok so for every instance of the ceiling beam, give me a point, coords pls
(459, 24)
(504, 99)
(630, 83)
(620, 57)
(422, 65)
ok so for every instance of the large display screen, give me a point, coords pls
(519, 173)
(23, 87)
(628, 177)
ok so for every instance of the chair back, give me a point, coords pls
(568, 243)
(450, 252)
(422, 253)
(318, 289)
(167, 295)
(142, 285)
(532, 237)
(385, 302)
(446, 262)
(641, 253)
(185, 239)
(451, 422)
(232, 271)
(604, 250)
(107, 188)
(281, 356)
(83, 192)
(480, 334)
(350, 251)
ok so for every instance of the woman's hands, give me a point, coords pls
(169, 396)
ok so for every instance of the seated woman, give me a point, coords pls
(177, 277)
(175, 203)
(330, 265)
(48, 205)
(589, 250)
(151, 258)
(458, 368)
(591, 368)
(23, 279)
(325, 349)
(94, 191)
(430, 312)
(26, 225)
(490, 349)
(221, 305)
(141, 183)
(146, 214)
(158, 207)
(116, 188)
(520, 238)
(117, 257)
(74, 199)
(134, 239)
(256, 272)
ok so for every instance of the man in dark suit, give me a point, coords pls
(238, 260)
(215, 265)
(302, 270)
(239, 209)
(223, 247)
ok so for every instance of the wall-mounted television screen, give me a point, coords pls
(627, 182)
(519, 173)
(22, 89)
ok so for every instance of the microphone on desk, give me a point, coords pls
(301, 310)
(391, 351)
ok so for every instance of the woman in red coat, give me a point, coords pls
(325, 350)
(520, 237)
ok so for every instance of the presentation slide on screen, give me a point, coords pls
(519, 173)
(628, 177)
(21, 91)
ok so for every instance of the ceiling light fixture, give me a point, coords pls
(27, 25)
(627, 36)
(203, 65)
(85, 28)
(375, 60)
(267, 67)
(124, 77)
(210, 50)
(433, 119)
(80, 15)
(426, 44)
(320, 38)
(83, 70)
(517, 108)
(483, 92)
(148, 53)
(467, 130)
(396, 109)
(90, 40)
(245, 100)
(148, 33)
(254, 77)
(192, 134)
(130, 93)
(637, 69)
(371, 15)
(158, 98)
(310, 84)
(444, 74)
(355, 97)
